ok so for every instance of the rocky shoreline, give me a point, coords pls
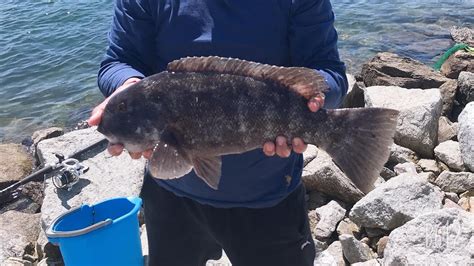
(421, 211)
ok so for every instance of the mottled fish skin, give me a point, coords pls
(193, 118)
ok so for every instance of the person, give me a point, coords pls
(258, 214)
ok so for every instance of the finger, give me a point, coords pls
(96, 116)
(115, 149)
(148, 153)
(298, 145)
(135, 155)
(316, 103)
(269, 148)
(282, 148)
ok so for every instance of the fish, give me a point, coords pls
(201, 108)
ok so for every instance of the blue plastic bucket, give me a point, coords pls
(106, 233)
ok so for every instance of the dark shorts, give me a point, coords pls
(183, 232)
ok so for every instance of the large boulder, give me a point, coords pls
(465, 88)
(323, 175)
(444, 237)
(456, 63)
(15, 163)
(17, 231)
(107, 177)
(388, 69)
(449, 153)
(455, 182)
(395, 202)
(420, 110)
(466, 135)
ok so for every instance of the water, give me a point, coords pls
(50, 50)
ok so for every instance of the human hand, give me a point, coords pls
(280, 146)
(96, 116)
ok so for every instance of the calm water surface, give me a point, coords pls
(50, 50)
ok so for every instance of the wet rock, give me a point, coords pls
(448, 94)
(452, 196)
(447, 130)
(348, 227)
(465, 87)
(408, 167)
(458, 62)
(449, 153)
(372, 262)
(467, 201)
(17, 231)
(395, 202)
(399, 154)
(455, 182)
(417, 127)
(462, 35)
(107, 177)
(331, 256)
(428, 165)
(443, 237)
(15, 163)
(310, 153)
(354, 250)
(329, 215)
(323, 175)
(46, 133)
(388, 69)
(466, 135)
(381, 244)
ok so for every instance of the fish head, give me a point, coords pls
(131, 120)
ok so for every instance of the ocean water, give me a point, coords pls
(50, 50)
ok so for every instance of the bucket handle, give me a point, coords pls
(50, 233)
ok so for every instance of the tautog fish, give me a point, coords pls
(204, 107)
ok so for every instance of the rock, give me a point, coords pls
(372, 262)
(375, 232)
(395, 202)
(348, 227)
(467, 201)
(379, 181)
(48, 249)
(450, 204)
(455, 182)
(452, 196)
(447, 130)
(50, 262)
(15, 163)
(465, 87)
(399, 154)
(456, 63)
(429, 166)
(466, 135)
(417, 127)
(388, 69)
(408, 167)
(323, 175)
(448, 93)
(355, 96)
(107, 177)
(449, 153)
(381, 244)
(17, 231)
(331, 256)
(46, 133)
(386, 173)
(310, 153)
(355, 251)
(329, 215)
(462, 35)
(16, 262)
(429, 176)
(443, 237)
(316, 199)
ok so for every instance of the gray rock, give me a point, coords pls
(462, 35)
(444, 237)
(316, 199)
(386, 173)
(348, 227)
(372, 262)
(452, 196)
(455, 182)
(323, 175)
(449, 153)
(447, 130)
(395, 202)
(466, 135)
(329, 215)
(456, 63)
(408, 167)
(428, 165)
(332, 256)
(15, 163)
(388, 69)
(310, 153)
(16, 262)
(399, 154)
(381, 244)
(355, 251)
(465, 87)
(429, 176)
(107, 177)
(450, 204)
(448, 94)
(46, 133)
(17, 231)
(375, 232)
(417, 127)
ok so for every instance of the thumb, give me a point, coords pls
(96, 115)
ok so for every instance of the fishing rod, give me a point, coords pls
(69, 169)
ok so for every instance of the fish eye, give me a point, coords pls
(122, 107)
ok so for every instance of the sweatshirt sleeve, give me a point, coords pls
(131, 46)
(313, 44)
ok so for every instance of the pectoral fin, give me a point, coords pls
(168, 163)
(209, 170)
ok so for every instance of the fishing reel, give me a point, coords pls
(69, 172)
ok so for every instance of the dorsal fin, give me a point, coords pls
(304, 81)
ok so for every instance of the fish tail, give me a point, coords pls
(359, 140)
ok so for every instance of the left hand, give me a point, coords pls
(280, 146)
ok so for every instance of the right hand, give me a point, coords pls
(96, 116)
